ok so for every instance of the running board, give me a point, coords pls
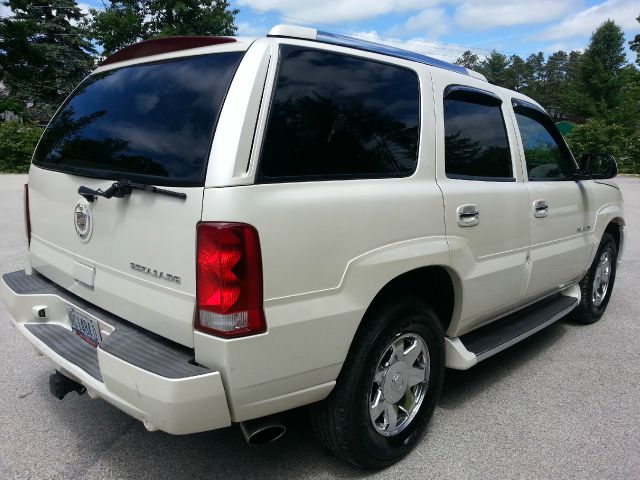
(465, 351)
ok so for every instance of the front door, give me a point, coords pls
(560, 211)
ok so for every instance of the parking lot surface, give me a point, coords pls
(565, 403)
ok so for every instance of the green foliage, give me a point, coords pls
(610, 95)
(495, 68)
(17, 143)
(124, 22)
(602, 63)
(43, 53)
(598, 135)
(118, 25)
(469, 60)
(12, 105)
(597, 90)
(635, 44)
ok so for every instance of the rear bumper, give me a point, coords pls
(142, 374)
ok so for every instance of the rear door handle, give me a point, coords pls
(468, 215)
(540, 208)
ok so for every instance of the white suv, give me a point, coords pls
(224, 229)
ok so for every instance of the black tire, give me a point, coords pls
(587, 311)
(342, 421)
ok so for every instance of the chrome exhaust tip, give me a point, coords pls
(262, 431)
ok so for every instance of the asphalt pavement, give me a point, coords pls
(565, 403)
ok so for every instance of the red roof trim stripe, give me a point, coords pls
(156, 46)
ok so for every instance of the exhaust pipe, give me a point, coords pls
(261, 431)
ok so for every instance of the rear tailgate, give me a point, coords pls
(150, 123)
(140, 230)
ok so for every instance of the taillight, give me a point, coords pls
(27, 215)
(229, 280)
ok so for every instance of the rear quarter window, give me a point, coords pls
(335, 116)
(150, 122)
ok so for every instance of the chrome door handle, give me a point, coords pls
(468, 215)
(540, 208)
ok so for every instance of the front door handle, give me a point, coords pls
(540, 208)
(468, 215)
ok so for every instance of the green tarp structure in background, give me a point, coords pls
(565, 127)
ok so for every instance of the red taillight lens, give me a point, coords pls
(27, 215)
(229, 280)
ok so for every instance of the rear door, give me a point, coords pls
(561, 216)
(150, 123)
(486, 202)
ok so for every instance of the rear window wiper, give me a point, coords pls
(121, 188)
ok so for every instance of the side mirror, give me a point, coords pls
(598, 166)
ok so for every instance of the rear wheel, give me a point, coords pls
(597, 284)
(388, 386)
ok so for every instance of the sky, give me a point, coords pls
(444, 28)
(447, 28)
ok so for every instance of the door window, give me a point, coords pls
(475, 144)
(545, 153)
(338, 116)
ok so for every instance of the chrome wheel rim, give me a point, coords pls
(399, 384)
(601, 279)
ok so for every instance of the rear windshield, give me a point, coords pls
(152, 122)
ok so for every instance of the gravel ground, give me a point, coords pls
(563, 404)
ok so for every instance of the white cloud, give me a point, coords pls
(246, 29)
(84, 7)
(5, 11)
(490, 14)
(430, 21)
(446, 52)
(338, 10)
(584, 22)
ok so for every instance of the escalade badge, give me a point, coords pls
(155, 273)
(83, 221)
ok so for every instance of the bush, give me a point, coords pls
(17, 143)
(621, 141)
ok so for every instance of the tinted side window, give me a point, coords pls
(336, 116)
(476, 144)
(546, 158)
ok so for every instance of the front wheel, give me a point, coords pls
(597, 284)
(388, 387)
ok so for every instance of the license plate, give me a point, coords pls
(86, 327)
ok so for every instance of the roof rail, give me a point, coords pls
(306, 33)
(478, 75)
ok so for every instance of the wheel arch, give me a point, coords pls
(437, 285)
(614, 228)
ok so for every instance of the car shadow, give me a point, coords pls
(116, 446)
(461, 386)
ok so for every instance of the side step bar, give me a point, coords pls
(465, 351)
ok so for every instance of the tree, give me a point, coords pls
(600, 135)
(556, 73)
(602, 65)
(574, 98)
(43, 51)
(124, 22)
(536, 76)
(469, 60)
(635, 44)
(517, 74)
(495, 67)
(17, 142)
